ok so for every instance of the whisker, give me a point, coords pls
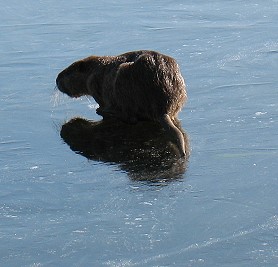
(91, 104)
(56, 97)
(88, 99)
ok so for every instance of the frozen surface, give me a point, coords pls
(58, 208)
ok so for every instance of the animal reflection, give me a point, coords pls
(143, 151)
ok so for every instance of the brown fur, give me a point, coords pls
(140, 85)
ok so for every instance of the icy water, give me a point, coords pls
(59, 208)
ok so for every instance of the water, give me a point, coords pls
(58, 208)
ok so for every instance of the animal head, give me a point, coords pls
(73, 80)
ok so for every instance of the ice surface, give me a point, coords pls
(58, 208)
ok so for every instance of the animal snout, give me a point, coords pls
(59, 82)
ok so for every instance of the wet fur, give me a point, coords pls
(140, 85)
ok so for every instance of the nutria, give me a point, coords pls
(139, 85)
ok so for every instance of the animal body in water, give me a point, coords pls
(135, 86)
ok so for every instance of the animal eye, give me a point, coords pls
(82, 67)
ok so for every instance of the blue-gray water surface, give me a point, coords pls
(59, 208)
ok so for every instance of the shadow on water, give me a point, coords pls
(143, 150)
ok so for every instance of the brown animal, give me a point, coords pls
(139, 85)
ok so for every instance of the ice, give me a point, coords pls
(59, 208)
